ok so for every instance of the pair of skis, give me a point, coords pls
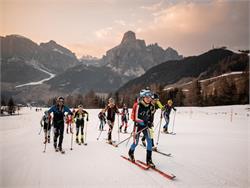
(144, 166)
(170, 133)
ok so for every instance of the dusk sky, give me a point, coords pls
(95, 26)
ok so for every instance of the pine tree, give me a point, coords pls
(196, 98)
(179, 100)
(11, 106)
(3, 103)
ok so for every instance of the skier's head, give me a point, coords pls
(147, 96)
(170, 102)
(143, 91)
(111, 100)
(80, 107)
(60, 100)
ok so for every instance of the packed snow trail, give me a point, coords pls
(208, 151)
(41, 81)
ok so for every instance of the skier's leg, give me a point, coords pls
(82, 128)
(49, 130)
(77, 132)
(134, 144)
(136, 138)
(56, 134)
(61, 136)
(149, 148)
(126, 125)
(111, 124)
(167, 122)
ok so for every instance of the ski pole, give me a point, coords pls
(159, 131)
(173, 122)
(85, 141)
(101, 130)
(40, 130)
(118, 129)
(46, 138)
(71, 136)
(157, 125)
(131, 136)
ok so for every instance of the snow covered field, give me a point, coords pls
(210, 149)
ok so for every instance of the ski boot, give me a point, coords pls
(71, 131)
(48, 139)
(165, 131)
(56, 149)
(61, 150)
(149, 159)
(125, 130)
(110, 142)
(67, 130)
(77, 141)
(120, 129)
(131, 155)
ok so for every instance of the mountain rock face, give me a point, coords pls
(56, 58)
(128, 60)
(50, 56)
(131, 58)
(82, 78)
(212, 63)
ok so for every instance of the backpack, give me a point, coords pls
(133, 111)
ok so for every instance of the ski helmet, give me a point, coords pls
(146, 93)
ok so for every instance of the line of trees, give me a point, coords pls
(9, 106)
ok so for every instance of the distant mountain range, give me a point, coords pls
(130, 65)
(212, 63)
(23, 59)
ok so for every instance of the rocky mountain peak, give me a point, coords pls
(128, 37)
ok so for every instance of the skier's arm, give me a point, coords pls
(87, 115)
(159, 104)
(138, 120)
(52, 109)
(106, 108)
(41, 122)
(66, 109)
(117, 111)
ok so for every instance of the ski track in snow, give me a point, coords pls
(209, 150)
(38, 82)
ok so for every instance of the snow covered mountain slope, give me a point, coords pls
(210, 149)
